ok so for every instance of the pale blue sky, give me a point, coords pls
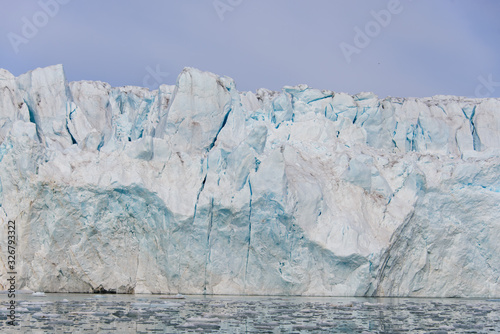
(427, 47)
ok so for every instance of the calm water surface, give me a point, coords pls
(79, 313)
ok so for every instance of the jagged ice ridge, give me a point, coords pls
(198, 188)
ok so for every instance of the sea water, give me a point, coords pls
(81, 313)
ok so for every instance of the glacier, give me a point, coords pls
(197, 188)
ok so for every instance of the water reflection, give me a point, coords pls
(74, 313)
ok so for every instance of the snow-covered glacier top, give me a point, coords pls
(199, 188)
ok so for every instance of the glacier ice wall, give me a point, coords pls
(198, 188)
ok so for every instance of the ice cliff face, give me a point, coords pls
(198, 188)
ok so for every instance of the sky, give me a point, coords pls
(400, 48)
